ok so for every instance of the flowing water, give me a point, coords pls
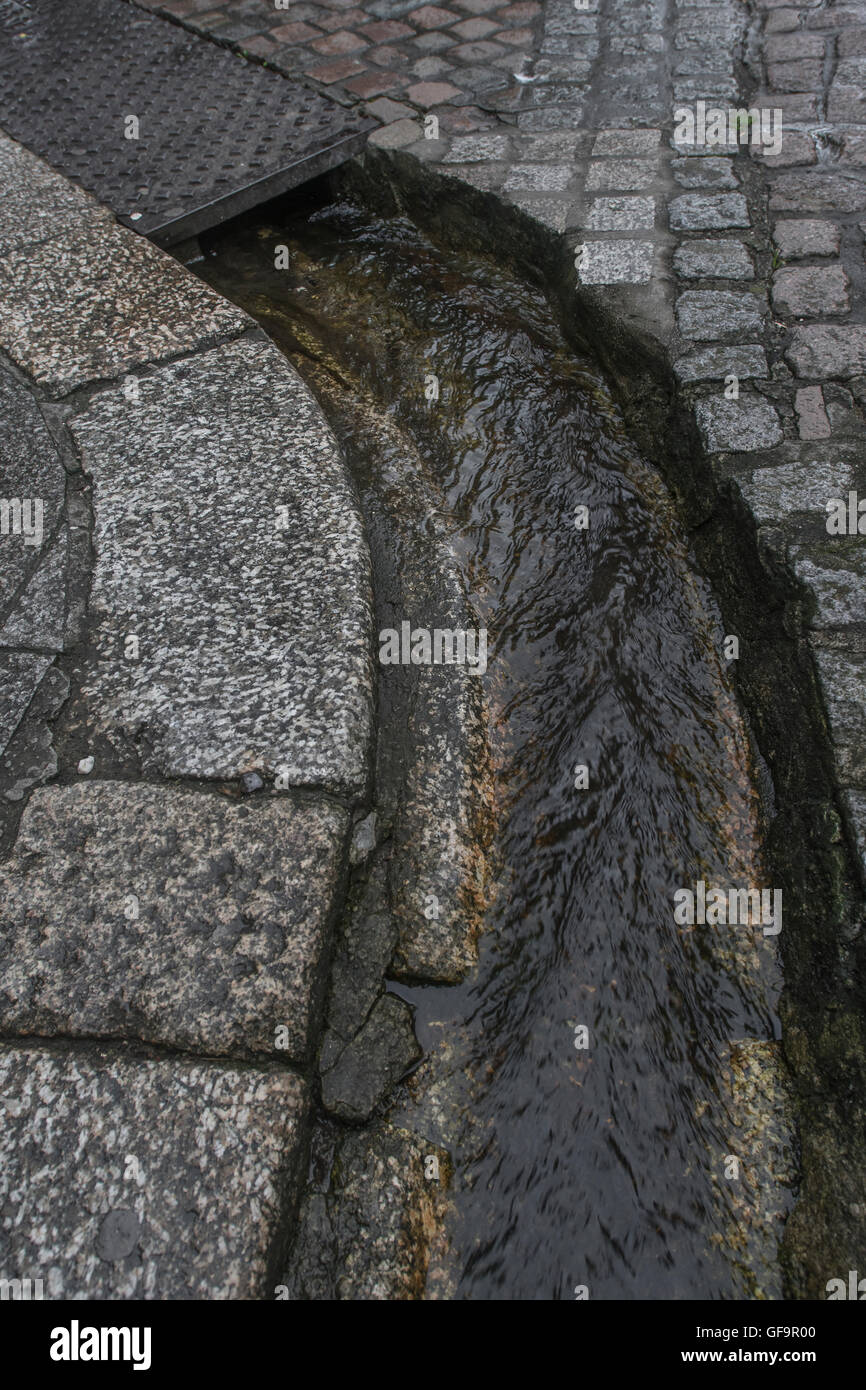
(600, 1166)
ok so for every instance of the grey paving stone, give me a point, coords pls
(806, 237)
(720, 260)
(621, 214)
(568, 21)
(774, 494)
(832, 350)
(99, 300)
(38, 618)
(811, 291)
(552, 119)
(797, 108)
(803, 76)
(396, 136)
(711, 363)
(138, 911)
(29, 757)
(124, 1179)
(839, 592)
(781, 21)
(698, 212)
(626, 142)
(376, 1058)
(812, 422)
(36, 203)
(721, 314)
(797, 148)
(847, 97)
(619, 262)
(539, 178)
(843, 677)
(780, 49)
(714, 88)
(553, 146)
(487, 177)
(467, 149)
(254, 622)
(740, 426)
(704, 173)
(854, 148)
(30, 468)
(20, 674)
(550, 212)
(687, 149)
(559, 46)
(817, 191)
(621, 174)
(692, 62)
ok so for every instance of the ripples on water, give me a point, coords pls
(573, 1167)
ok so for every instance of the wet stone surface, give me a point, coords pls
(718, 314)
(31, 472)
(228, 538)
(180, 919)
(38, 204)
(738, 426)
(600, 72)
(381, 1053)
(707, 260)
(375, 1233)
(125, 1179)
(97, 302)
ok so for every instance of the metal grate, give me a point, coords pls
(216, 133)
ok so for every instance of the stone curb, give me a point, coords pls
(227, 647)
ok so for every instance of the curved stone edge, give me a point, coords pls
(126, 357)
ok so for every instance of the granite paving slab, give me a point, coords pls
(145, 1179)
(228, 540)
(97, 300)
(192, 921)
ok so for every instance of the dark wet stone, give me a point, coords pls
(136, 911)
(118, 1235)
(383, 1051)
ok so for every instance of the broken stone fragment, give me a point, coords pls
(374, 1061)
(377, 1232)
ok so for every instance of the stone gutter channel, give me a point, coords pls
(186, 814)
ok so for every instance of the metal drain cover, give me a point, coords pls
(216, 134)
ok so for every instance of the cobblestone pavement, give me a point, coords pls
(745, 268)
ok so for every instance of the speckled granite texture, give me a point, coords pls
(136, 1179)
(208, 503)
(170, 916)
(227, 538)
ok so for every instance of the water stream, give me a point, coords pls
(600, 1166)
